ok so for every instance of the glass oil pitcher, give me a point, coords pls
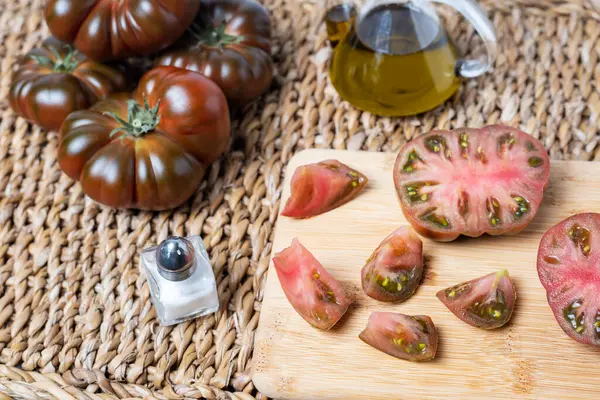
(394, 58)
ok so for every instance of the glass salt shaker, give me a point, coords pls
(181, 279)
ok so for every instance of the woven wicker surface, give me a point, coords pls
(75, 315)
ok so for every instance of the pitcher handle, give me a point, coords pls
(477, 17)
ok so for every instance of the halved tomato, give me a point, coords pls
(471, 181)
(568, 265)
(321, 187)
(394, 270)
(408, 337)
(487, 302)
(311, 290)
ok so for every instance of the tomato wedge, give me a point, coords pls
(487, 302)
(311, 290)
(393, 272)
(471, 181)
(568, 265)
(321, 187)
(408, 337)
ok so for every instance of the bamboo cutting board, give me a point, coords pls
(530, 358)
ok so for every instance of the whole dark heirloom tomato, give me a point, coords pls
(148, 150)
(471, 181)
(230, 42)
(54, 80)
(568, 265)
(109, 29)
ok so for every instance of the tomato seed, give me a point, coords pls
(481, 155)
(436, 219)
(505, 142)
(581, 237)
(574, 317)
(529, 146)
(552, 260)
(522, 206)
(535, 162)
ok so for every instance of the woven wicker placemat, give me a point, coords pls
(75, 314)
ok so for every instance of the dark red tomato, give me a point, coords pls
(568, 264)
(111, 30)
(487, 302)
(54, 80)
(310, 289)
(394, 270)
(471, 181)
(148, 150)
(230, 42)
(407, 337)
(322, 187)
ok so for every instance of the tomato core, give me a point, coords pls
(214, 37)
(140, 119)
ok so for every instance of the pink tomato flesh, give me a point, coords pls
(316, 295)
(471, 181)
(568, 265)
(322, 187)
(394, 270)
(486, 302)
(408, 337)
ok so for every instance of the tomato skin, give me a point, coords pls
(486, 302)
(321, 187)
(311, 290)
(407, 337)
(161, 169)
(394, 270)
(243, 70)
(110, 30)
(471, 181)
(46, 97)
(568, 265)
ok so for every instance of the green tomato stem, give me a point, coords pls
(140, 119)
(214, 37)
(65, 64)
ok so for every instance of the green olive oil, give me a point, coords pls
(395, 60)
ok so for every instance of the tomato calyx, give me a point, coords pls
(214, 36)
(64, 64)
(140, 119)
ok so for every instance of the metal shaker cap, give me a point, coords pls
(176, 259)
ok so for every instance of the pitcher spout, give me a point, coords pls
(339, 20)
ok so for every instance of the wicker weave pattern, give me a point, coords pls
(73, 307)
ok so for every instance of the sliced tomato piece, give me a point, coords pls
(471, 181)
(568, 265)
(311, 290)
(408, 337)
(393, 272)
(487, 302)
(321, 187)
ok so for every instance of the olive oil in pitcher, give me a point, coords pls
(395, 60)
